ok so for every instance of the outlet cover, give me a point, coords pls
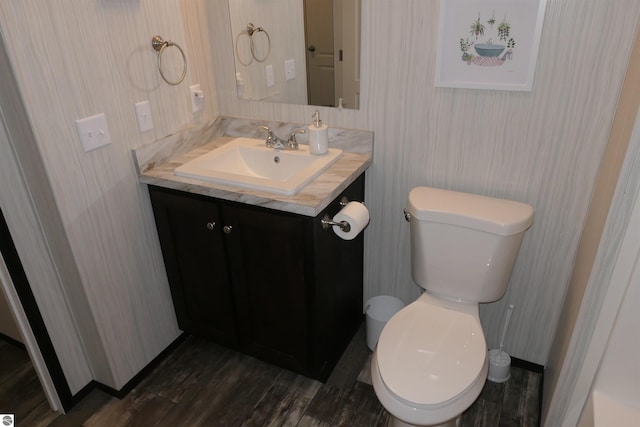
(93, 132)
(143, 114)
(290, 69)
(197, 98)
(269, 75)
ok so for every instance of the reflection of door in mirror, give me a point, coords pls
(318, 24)
(347, 35)
(332, 32)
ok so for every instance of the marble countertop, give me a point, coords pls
(156, 163)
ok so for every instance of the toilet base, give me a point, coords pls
(394, 422)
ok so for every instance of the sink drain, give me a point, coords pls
(276, 159)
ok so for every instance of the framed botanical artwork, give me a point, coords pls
(489, 44)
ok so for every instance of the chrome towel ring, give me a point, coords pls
(159, 45)
(253, 30)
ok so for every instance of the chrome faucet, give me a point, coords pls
(292, 142)
(273, 141)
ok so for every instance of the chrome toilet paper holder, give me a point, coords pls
(328, 222)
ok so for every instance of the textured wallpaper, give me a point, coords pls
(542, 147)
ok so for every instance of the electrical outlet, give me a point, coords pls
(93, 132)
(269, 75)
(143, 114)
(290, 69)
(197, 98)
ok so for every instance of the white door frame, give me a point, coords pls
(624, 272)
(617, 257)
(30, 343)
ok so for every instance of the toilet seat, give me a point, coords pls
(429, 353)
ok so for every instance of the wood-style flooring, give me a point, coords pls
(204, 384)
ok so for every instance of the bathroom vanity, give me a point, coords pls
(257, 272)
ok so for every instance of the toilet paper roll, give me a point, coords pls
(357, 215)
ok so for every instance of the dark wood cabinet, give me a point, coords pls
(269, 283)
(267, 261)
(196, 263)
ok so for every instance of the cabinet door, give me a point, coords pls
(268, 266)
(191, 238)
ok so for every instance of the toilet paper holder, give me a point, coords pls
(328, 222)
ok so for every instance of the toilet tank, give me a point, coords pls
(464, 246)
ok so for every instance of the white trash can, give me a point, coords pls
(378, 311)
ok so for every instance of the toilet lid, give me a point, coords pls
(428, 354)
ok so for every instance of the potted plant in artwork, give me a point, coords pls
(465, 45)
(477, 28)
(492, 21)
(503, 29)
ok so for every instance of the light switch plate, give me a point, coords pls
(143, 114)
(93, 132)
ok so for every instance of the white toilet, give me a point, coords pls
(431, 362)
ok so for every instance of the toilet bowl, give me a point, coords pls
(430, 376)
(431, 362)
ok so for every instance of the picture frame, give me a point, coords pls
(489, 44)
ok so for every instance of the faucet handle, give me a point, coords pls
(292, 141)
(269, 131)
(271, 138)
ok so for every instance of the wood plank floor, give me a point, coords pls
(203, 384)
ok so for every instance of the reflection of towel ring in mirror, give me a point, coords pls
(252, 30)
(239, 57)
(159, 45)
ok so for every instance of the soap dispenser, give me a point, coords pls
(318, 136)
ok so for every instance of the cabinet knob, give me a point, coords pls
(211, 225)
(227, 229)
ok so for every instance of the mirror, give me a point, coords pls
(297, 51)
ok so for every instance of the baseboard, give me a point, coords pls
(529, 366)
(124, 391)
(12, 341)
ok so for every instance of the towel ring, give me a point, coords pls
(159, 45)
(238, 55)
(252, 30)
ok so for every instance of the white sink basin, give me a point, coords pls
(248, 163)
